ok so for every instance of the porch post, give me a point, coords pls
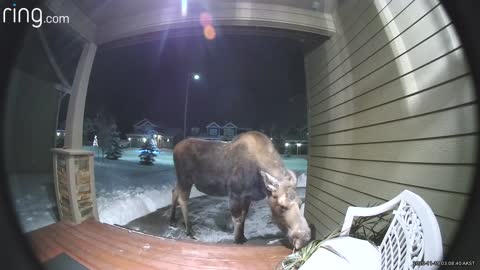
(74, 177)
(76, 104)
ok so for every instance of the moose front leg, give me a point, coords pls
(239, 209)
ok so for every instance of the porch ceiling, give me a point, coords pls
(104, 10)
(118, 20)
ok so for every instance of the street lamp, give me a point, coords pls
(298, 145)
(129, 142)
(286, 152)
(196, 77)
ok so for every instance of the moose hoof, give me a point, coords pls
(240, 240)
(191, 234)
(173, 224)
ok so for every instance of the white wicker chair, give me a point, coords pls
(412, 236)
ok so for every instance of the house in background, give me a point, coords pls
(214, 130)
(169, 137)
(144, 129)
(195, 131)
(138, 139)
(144, 126)
(230, 130)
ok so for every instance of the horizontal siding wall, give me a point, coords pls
(391, 107)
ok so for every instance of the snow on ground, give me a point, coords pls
(211, 221)
(34, 200)
(125, 189)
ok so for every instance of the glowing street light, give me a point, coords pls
(287, 144)
(58, 134)
(129, 139)
(196, 77)
(298, 145)
(144, 140)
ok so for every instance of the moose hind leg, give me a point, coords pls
(239, 210)
(183, 196)
(173, 219)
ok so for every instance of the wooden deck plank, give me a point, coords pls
(142, 253)
(43, 246)
(91, 253)
(185, 248)
(102, 246)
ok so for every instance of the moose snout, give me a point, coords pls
(300, 238)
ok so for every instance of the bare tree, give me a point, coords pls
(103, 123)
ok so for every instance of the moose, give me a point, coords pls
(246, 169)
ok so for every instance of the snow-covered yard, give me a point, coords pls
(125, 189)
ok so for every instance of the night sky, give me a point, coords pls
(253, 81)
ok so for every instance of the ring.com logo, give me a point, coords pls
(34, 16)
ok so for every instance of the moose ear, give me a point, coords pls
(271, 183)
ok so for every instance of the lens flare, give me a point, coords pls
(184, 7)
(209, 32)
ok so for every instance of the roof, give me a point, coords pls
(213, 125)
(145, 122)
(152, 132)
(230, 125)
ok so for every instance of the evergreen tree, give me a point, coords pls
(147, 155)
(114, 151)
(89, 130)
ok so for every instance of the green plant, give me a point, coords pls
(371, 228)
(295, 260)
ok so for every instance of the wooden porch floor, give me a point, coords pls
(102, 246)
